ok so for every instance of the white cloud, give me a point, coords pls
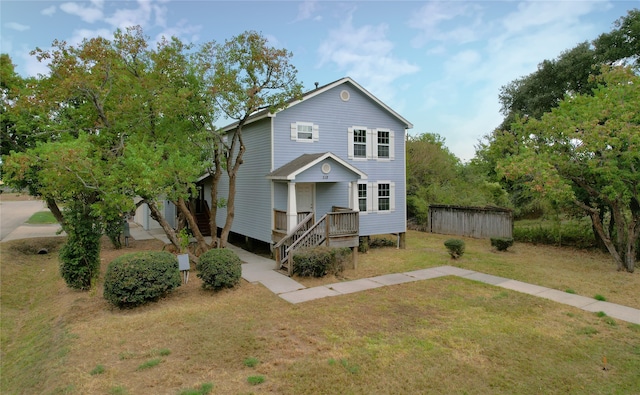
(306, 10)
(87, 14)
(434, 21)
(49, 10)
(17, 26)
(366, 54)
(81, 34)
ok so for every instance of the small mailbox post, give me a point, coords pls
(183, 264)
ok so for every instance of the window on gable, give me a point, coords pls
(304, 131)
(384, 197)
(362, 197)
(360, 143)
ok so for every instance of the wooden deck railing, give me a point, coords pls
(280, 219)
(307, 234)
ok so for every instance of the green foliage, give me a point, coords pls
(149, 364)
(80, 255)
(363, 244)
(585, 153)
(251, 362)
(99, 369)
(600, 298)
(455, 247)
(138, 278)
(501, 243)
(379, 242)
(219, 268)
(255, 380)
(560, 233)
(436, 176)
(320, 261)
(205, 388)
(113, 228)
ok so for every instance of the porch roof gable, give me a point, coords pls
(290, 170)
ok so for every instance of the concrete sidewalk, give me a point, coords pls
(582, 302)
(257, 269)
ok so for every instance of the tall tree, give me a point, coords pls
(247, 76)
(587, 152)
(139, 115)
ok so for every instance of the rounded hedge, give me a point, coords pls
(219, 268)
(138, 278)
(455, 247)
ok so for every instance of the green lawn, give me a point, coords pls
(42, 218)
(439, 336)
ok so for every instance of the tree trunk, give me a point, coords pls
(215, 180)
(182, 206)
(232, 171)
(55, 210)
(168, 230)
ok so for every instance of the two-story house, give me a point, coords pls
(338, 149)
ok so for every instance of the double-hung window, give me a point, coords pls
(366, 143)
(383, 143)
(384, 197)
(359, 143)
(304, 132)
(362, 197)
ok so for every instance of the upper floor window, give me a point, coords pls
(367, 143)
(360, 143)
(383, 143)
(304, 131)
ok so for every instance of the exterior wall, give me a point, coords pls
(253, 210)
(471, 221)
(334, 117)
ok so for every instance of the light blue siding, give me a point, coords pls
(253, 211)
(334, 117)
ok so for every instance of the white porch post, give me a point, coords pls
(292, 210)
(355, 205)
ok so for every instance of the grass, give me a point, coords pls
(42, 218)
(149, 364)
(444, 335)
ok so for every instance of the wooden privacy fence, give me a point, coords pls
(479, 222)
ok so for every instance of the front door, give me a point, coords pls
(305, 197)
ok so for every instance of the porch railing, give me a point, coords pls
(340, 222)
(280, 219)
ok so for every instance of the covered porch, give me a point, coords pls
(315, 203)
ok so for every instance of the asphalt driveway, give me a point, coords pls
(13, 214)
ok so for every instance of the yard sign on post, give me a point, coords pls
(183, 264)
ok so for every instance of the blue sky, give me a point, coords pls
(438, 64)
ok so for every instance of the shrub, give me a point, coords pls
(138, 278)
(363, 244)
(320, 261)
(219, 268)
(80, 255)
(455, 247)
(501, 243)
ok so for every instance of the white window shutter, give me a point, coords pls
(372, 142)
(316, 133)
(372, 196)
(350, 195)
(392, 196)
(391, 146)
(350, 143)
(294, 131)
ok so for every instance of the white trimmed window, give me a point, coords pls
(362, 197)
(359, 138)
(377, 197)
(370, 143)
(384, 144)
(304, 132)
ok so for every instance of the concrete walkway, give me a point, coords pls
(257, 269)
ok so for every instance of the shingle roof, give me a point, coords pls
(289, 170)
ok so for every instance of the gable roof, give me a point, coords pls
(290, 170)
(317, 91)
